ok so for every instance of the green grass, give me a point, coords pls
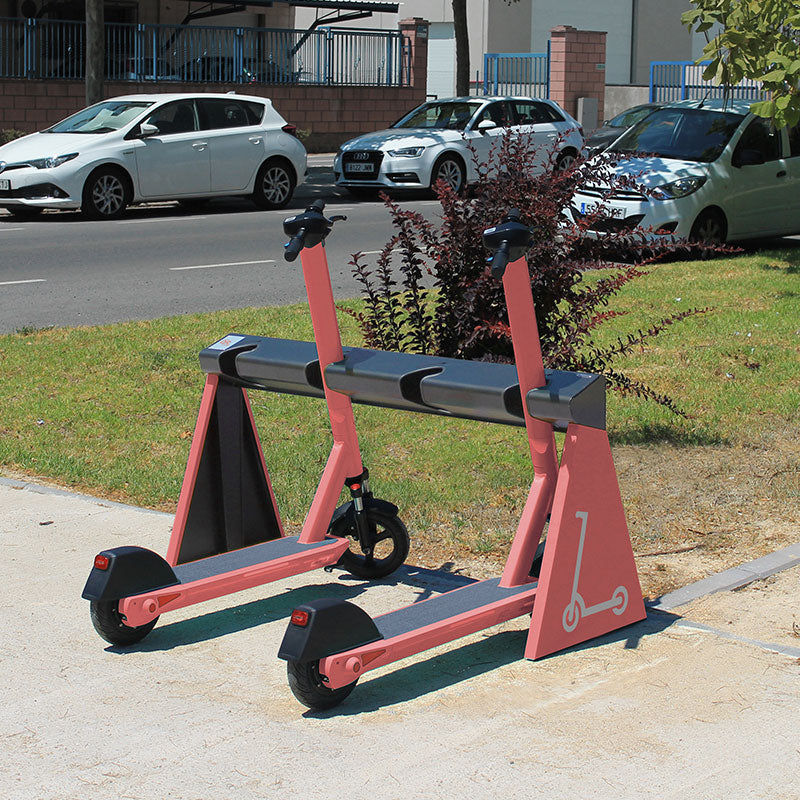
(111, 409)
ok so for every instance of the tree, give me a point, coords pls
(462, 46)
(95, 51)
(760, 39)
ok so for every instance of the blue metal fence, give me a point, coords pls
(35, 48)
(683, 80)
(525, 74)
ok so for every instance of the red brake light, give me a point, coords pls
(101, 562)
(292, 129)
(299, 618)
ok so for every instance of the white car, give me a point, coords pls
(433, 141)
(713, 173)
(146, 147)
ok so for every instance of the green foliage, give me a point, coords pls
(758, 40)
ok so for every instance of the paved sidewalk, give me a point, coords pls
(700, 701)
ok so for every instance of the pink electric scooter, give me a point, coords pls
(227, 534)
(582, 585)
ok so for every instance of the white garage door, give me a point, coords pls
(442, 59)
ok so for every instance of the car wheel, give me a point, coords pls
(274, 184)
(710, 227)
(105, 194)
(450, 170)
(564, 161)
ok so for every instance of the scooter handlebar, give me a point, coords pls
(293, 247)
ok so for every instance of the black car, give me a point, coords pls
(614, 128)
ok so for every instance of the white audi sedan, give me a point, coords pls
(433, 142)
(707, 170)
(142, 147)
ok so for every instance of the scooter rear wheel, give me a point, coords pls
(109, 624)
(307, 686)
(388, 529)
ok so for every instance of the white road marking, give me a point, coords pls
(8, 230)
(14, 283)
(229, 264)
(160, 219)
(377, 252)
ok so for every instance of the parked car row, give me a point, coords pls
(706, 170)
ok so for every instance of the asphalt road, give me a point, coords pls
(160, 260)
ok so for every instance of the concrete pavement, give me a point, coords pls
(700, 701)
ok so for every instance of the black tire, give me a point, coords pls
(450, 169)
(377, 565)
(307, 686)
(106, 194)
(710, 227)
(564, 161)
(109, 625)
(275, 184)
(25, 212)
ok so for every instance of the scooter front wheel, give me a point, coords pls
(308, 687)
(110, 626)
(390, 548)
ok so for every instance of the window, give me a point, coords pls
(531, 113)
(215, 114)
(762, 137)
(176, 117)
(499, 113)
(453, 116)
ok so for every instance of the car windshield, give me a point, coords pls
(104, 117)
(453, 116)
(630, 117)
(690, 134)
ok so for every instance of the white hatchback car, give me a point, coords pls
(144, 147)
(712, 172)
(433, 142)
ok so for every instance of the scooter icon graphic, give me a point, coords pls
(577, 608)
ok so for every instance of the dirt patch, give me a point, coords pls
(692, 511)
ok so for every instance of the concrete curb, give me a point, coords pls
(733, 578)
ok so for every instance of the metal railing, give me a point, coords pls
(55, 49)
(525, 74)
(683, 80)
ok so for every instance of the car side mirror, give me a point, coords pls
(148, 129)
(747, 157)
(486, 124)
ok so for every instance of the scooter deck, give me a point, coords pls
(450, 604)
(272, 550)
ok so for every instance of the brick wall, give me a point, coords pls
(577, 67)
(331, 114)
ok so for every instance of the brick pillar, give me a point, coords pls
(577, 67)
(416, 31)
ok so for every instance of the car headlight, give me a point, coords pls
(679, 188)
(52, 161)
(407, 152)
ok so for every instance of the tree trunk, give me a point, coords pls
(95, 51)
(462, 46)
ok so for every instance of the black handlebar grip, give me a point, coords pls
(317, 205)
(292, 249)
(500, 260)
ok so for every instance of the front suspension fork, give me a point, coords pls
(361, 495)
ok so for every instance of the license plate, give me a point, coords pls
(360, 168)
(615, 212)
(5, 184)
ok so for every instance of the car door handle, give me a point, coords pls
(200, 145)
(781, 174)
(255, 139)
